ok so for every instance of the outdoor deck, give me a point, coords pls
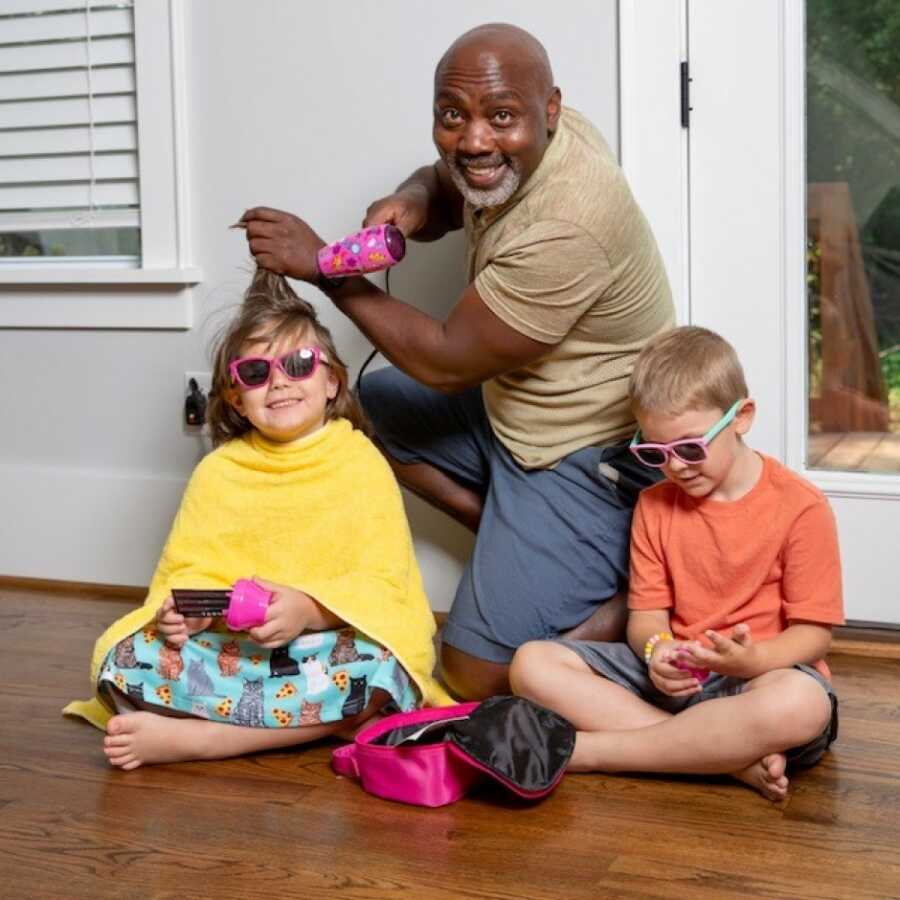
(877, 452)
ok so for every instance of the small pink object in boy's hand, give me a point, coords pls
(700, 674)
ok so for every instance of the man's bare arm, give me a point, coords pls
(424, 207)
(470, 347)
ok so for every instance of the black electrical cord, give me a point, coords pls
(357, 385)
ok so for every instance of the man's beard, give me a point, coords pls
(495, 196)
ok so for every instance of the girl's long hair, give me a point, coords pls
(269, 311)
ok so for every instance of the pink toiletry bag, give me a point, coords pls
(431, 757)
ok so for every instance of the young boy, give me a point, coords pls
(735, 584)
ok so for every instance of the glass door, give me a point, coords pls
(793, 226)
(853, 235)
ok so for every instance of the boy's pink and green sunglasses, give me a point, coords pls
(687, 450)
(255, 371)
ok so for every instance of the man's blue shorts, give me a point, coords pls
(552, 544)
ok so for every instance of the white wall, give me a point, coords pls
(311, 107)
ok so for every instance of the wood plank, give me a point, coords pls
(819, 445)
(282, 824)
(859, 451)
(849, 454)
(885, 458)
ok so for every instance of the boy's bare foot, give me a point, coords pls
(767, 776)
(140, 738)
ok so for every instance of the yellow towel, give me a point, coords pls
(323, 515)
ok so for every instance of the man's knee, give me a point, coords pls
(472, 678)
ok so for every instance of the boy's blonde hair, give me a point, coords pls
(270, 310)
(684, 369)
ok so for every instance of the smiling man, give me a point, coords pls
(512, 415)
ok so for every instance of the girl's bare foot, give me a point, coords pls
(139, 738)
(767, 776)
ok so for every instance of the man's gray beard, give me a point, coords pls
(495, 196)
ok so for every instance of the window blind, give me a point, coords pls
(68, 123)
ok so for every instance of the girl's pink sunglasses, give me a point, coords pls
(255, 371)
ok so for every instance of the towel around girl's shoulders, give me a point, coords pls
(323, 515)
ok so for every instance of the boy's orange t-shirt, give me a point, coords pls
(768, 559)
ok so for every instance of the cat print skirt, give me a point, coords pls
(223, 676)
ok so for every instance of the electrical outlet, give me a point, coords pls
(194, 408)
(203, 379)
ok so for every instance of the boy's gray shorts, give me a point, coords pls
(552, 545)
(619, 664)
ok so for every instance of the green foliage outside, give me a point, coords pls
(853, 135)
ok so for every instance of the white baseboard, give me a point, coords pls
(84, 525)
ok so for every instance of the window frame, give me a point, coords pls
(155, 294)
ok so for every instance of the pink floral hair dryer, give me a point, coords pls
(368, 250)
(244, 606)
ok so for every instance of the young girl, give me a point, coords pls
(297, 497)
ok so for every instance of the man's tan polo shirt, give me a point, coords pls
(570, 261)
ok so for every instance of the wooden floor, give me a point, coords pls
(282, 825)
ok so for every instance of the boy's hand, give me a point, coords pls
(666, 676)
(286, 618)
(734, 656)
(174, 627)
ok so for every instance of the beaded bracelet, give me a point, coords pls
(653, 641)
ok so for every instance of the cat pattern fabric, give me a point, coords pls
(310, 713)
(316, 675)
(125, 656)
(199, 682)
(171, 665)
(223, 676)
(229, 659)
(356, 699)
(345, 650)
(282, 664)
(249, 709)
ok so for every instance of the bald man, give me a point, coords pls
(512, 415)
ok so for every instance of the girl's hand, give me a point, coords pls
(287, 617)
(174, 627)
(736, 656)
(666, 676)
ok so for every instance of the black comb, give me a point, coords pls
(199, 604)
